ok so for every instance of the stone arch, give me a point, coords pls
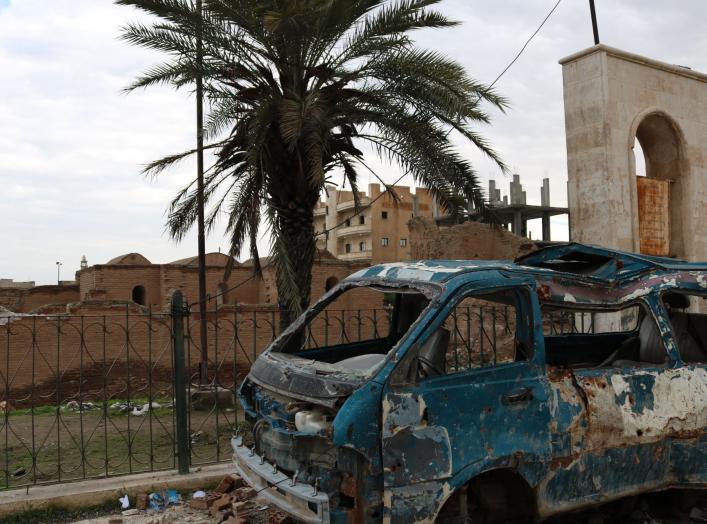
(139, 295)
(330, 283)
(663, 147)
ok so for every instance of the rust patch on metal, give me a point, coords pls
(654, 216)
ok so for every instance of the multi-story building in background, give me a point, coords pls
(379, 231)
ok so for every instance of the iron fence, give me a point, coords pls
(87, 396)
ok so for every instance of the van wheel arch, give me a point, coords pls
(497, 495)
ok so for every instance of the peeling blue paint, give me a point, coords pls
(402, 446)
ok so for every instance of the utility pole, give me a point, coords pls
(595, 28)
(204, 362)
(58, 273)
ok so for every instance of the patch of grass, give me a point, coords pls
(39, 410)
(46, 448)
(58, 514)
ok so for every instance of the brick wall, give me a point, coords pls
(467, 241)
(27, 300)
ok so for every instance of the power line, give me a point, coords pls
(527, 42)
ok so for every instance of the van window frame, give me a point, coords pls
(525, 287)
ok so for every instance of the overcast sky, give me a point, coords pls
(72, 144)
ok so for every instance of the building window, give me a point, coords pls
(362, 246)
(139, 295)
(361, 220)
(347, 248)
(384, 215)
(403, 242)
(327, 210)
(221, 294)
(348, 222)
(384, 241)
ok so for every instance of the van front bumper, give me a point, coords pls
(302, 501)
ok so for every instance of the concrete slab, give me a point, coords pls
(97, 491)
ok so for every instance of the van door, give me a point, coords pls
(469, 396)
(613, 395)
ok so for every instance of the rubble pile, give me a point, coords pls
(234, 502)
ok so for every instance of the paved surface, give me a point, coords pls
(94, 492)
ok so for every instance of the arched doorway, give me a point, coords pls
(658, 165)
(330, 283)
(138, 295)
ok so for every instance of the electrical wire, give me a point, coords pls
(527, 42)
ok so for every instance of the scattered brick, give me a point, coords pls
(220, 504)
(205, 502)
(229, 483)
(244, 493)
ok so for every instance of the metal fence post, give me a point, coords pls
(180, 392)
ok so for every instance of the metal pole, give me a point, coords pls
(58, 273)
(180, 393)
(204, 362)
(595, 28)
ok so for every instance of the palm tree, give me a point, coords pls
(295, 90)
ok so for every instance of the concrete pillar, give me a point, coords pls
(516, 190)
(545, 193)
(546, 227)
(518, 223)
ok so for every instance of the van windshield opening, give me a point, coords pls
(357, 328)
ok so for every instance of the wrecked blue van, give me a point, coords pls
(484, 391)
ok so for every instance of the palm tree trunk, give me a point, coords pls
(297, 230)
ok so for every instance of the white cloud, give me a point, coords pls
(72, 143)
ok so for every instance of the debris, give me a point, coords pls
(5, 406)
(203, 399)
(157, 501)
(220, 504)
(142, 501)
(199, 495)
(76, 407)
(244, 493)
(203, 503)
(173, 497)
(279, 517)
(130, 512)
(229, 483)
(124, 502)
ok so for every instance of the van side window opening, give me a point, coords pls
(581, 338)
(359, 327)
(689, 324)
(482, 330)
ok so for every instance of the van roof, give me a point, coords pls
(583, 261)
